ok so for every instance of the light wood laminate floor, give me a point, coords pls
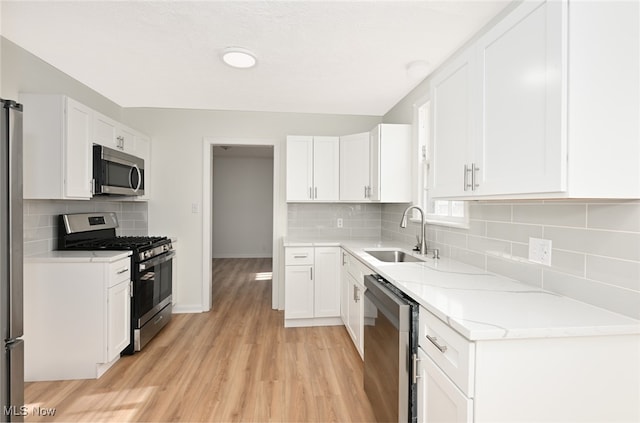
(235, 363)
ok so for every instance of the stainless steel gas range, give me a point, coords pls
(151, 261)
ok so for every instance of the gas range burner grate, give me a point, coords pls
(125, 242)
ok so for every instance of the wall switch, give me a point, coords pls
(195, 208)
(340, 222)
(540, 251)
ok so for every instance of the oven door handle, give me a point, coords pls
(157, 260)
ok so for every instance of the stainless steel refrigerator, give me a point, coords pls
(11, 252)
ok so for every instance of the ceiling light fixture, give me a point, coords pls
(418, 69)
(238, 57)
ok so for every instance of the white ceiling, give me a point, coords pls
(343, 57)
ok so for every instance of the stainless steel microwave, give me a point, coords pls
(116, 172)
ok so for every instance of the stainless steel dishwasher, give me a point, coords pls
(390, 351)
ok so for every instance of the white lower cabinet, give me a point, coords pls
(571, 378)
(439, 399)
(352, 300)
(312, 286)
(76, 316)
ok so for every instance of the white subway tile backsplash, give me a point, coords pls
(513, 231)
(555, 214)
(625, 274)
(568, 262)
(490, 211)
(41, 219)
(623, 245)
(319, 221)
(611, 297)
(596, 245)
(616, 217)
(528, 273)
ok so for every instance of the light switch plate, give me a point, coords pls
(540, 251)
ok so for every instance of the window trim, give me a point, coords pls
(421, 172)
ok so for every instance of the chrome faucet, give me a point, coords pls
(423, 239)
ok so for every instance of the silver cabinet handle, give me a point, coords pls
(434, 341)
(120, 272)
(301, 256)
(344, 259)
(474, 169)
(466, 178)
(315, 190)
(310, 193)
(356, 297)
(415, 375)
(311, 273)
(131, 289)
(365, 191)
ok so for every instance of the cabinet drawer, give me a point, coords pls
(298, 256)
(119, 271)
(452, 352)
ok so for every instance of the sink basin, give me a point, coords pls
(392, 256)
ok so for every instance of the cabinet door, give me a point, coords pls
(393, 181)
(104, 131)
(118, 319)
(354, 167)
(126, 138)
(356, 313)
(327, 282)
(451, 110)
(326, 168)
(344, 294)
(299, 168)
(522, 144)
(77, 169)
(374, 163)
(298, 292)
(439, 400)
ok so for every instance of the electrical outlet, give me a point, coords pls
(540, 251)
(339, 222)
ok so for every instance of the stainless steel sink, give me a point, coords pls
(392, 256)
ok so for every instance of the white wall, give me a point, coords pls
(242, 206)
(177, 173)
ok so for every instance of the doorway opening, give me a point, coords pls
(241, 206)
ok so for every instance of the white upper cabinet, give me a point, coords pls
(313, 168)
(113, 134)
(59, 134)
(452, 127)
(521, 143)
(545, 104)
(57, 147)
(390, 163)
(354, 167)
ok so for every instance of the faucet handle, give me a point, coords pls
(417, 246)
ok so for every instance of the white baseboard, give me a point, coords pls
(184, 309)
(242, 255)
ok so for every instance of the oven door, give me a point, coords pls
(115, 172)
(151, 288)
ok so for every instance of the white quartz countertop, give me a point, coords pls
(70, 256)
(484, 306)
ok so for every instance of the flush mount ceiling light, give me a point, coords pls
(418, 69)
(238, 57)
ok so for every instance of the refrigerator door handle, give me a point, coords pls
(15, 223)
